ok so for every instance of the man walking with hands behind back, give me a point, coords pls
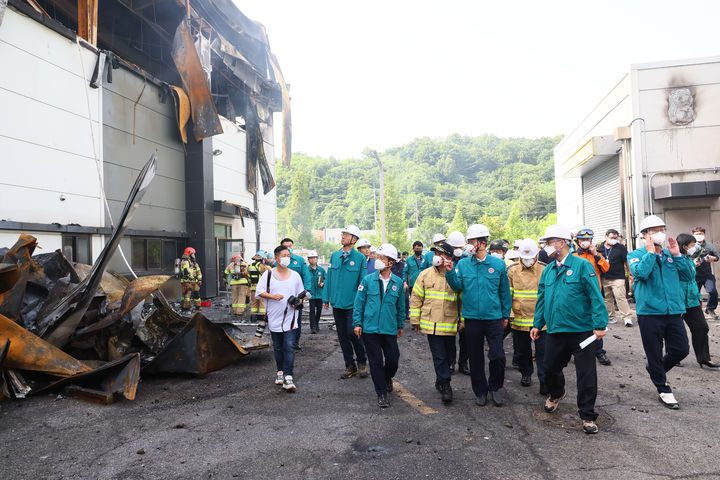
(570, 304)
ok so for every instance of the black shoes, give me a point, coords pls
(446, 393)
(383, 401)
(389, 385)
(709, 364)
(603, 359)
(543, 389)
(496, 398)
(452, 368)
(463, 368)
(481, 400)
(526, 380)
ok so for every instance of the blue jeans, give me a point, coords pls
(348, 340)
(710, 288)
(284, 349)
(654, 330)
(476, 331)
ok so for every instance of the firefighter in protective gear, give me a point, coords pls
(588, 251)
(190, 279)
(524, 280)
(434, 312)
(239, 283)
(257, 305)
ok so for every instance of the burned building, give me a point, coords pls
(91, 89)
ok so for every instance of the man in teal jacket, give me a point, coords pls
(570, 303)
(298, 264)
(659, 303)
(486, 305)
(347, 269)
(379, 317)
(318, 282)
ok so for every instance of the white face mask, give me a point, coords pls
(379, 265)
(437, 260)
(612, 241)
(497, 254)
(549, 249)
(692, 250)
(658, 237)
(285, 261)
(699, 237)
(458, 252)
(528, 262)
(585, 245)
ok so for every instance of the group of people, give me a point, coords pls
(557, 294)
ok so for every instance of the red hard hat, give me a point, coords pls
(189, 251)
(237, 255)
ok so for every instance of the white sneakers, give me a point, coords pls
(628, 323)
(288, 384)
(612, 320)
(280, 378)
(668, 400)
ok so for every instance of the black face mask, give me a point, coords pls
(418, 253)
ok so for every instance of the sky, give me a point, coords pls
(380, 73)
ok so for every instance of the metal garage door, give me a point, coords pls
(601, 198)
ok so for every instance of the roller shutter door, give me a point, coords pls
(601, 198)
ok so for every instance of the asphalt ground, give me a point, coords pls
(235, 423)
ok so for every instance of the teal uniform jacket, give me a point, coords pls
(381, 313)
(298, 264)
(485, 288)
(690, 291)
(316, 275)
(569, 298)
(413, 269)
(343, 278)
(657, 289)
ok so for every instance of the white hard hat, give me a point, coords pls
(352, 230)
(456, 239)
(651, 221)
(557, 231)
(438, 237)
(477, 231)
(363, 242)
(511, 254)
(527, 248)
(312, 253)
(516, 243)
(388, 250)
(373, 249)
(540, 239)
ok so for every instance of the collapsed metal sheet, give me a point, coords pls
(13, 282)
(200, 347)
(182, 110)
(287, 117)
(4, 389)
(249, 344)
(206, 122)
(111, 284)
(160, 327)
(65, 315)
(29, 352)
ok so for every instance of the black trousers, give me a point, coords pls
(695, 320)
(654, 330)
(315, 310)
(442, 348)
(348, 340)
(299, 328)
(463, 360)
(378, 346)
(559, 347)
(523, 348)
(476, 332)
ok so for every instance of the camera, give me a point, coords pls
(296, 302)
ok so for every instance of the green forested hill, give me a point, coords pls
(506, 183)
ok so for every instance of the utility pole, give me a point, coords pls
(382, 196)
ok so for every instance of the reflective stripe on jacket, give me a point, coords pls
(433, 304)
(241, 278)
(524, 289)
(189, 271)
(255, 271)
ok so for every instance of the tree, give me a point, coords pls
(298, 213)
(428, 227)
(458, 222)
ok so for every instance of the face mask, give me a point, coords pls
(497, 254)
(285, 261)
(418, 253)
(379, 265)
(692, 250)
(437, 260)
(528, 262)
(549, 249)
(699, 237)
(658, 237)
(458, 252)
(612, 241)
(585, 245)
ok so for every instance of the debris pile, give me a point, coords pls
(91, 332)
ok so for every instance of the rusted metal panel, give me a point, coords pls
(87, 20)
(182, 110)
(29, 352)
(287, 120)
(112, 285)
(206, 122)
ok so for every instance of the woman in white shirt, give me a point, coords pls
(276, 286)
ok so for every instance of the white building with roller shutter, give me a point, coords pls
(650, 146)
